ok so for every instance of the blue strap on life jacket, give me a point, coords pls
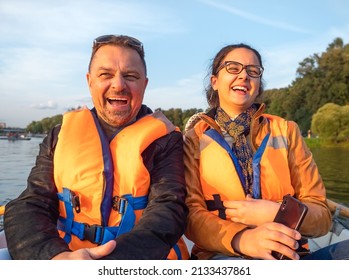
(256, 167)
(216, 136)
(178, 251)
(256, 188)
(66, 197)
(95, 233)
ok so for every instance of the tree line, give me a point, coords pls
(321, 79)
(317, 100)
(177, 116)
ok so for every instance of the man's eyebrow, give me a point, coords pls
(104, 68)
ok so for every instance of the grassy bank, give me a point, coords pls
(317, 142)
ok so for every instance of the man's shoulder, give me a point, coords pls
(143, 111)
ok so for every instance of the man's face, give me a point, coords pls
(117, 83)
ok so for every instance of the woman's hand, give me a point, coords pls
(251, 212)
(94, 253)
(259, 242)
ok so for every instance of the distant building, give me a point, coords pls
(2, 125)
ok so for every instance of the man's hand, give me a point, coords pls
(94, 253)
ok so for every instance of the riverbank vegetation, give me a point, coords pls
(317, 100)
(321, 87)
(319, 142)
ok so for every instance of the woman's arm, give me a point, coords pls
(205, 229)
(308, 184)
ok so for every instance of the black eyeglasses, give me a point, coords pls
(122, 40)
(234, 67)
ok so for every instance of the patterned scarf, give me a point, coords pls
(238, 129)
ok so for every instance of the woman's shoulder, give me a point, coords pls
(192, 121)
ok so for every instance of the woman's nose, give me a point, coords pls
(243, 74)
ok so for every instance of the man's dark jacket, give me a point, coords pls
(30, 220)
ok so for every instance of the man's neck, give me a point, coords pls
(110, 130)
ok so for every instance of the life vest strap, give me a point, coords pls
(216, 136)
(256, 163)
(216, 204)
(119, 204)
(93, 233)
(68, 197)
(97, 234)
(178, 251)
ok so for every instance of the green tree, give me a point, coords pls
(320, 79)
(331, 122)
(274, 100)
(35, 127)
(343, 135)
(179, 117)
(44, 125)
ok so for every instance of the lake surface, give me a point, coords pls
(333, 164)
(18, 157)
(16, 160)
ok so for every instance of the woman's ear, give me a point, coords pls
(214, 82)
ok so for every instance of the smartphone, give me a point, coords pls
(291, 213)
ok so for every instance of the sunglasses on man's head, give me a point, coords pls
(119, 39)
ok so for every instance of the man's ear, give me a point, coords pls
(88, 78)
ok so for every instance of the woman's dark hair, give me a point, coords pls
(211, 94)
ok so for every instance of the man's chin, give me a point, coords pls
(116, 118)
(119, 120)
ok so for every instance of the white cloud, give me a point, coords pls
(46, 46)
(48, 105)
(253, 17)
(47, 22)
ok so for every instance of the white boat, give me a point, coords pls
(339, 230)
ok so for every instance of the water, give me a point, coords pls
(333, 164)
(18, 157)
(16, 160)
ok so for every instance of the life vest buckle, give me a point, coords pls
(75, 201)
(119, 204)
(93, 233)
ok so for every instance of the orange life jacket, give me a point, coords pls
(103, 187)
(221, 175)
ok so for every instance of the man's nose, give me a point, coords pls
(118, 82)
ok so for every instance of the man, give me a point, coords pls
(109, 182)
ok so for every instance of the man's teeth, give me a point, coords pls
(117, 100)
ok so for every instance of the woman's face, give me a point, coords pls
(237, 92)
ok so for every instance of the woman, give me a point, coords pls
(240, 163)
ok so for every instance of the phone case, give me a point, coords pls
(291, 213)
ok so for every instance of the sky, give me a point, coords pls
(45, 46)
